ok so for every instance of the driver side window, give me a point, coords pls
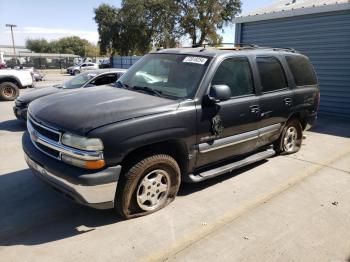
(235, 73)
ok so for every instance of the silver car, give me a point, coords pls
(83, 80)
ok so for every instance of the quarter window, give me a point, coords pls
(302, 70)
(272, 76)
(236, 73)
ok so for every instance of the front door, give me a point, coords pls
(229, 128)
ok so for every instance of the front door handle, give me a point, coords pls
(255, 109)
(288, 101)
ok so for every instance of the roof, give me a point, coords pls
(214, 51)
(289, 8)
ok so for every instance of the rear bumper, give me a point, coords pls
(91, 188)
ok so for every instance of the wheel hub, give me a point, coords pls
(290, 139)
(8, 91)
(153, 190)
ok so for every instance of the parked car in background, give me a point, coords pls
(83, 80)
(37, 76)
(105, 63)
(74, 70)
(11, 80)
(185, 114)
(69, 69)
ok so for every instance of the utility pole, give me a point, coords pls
(13, 40)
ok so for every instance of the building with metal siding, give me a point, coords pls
(320, 32)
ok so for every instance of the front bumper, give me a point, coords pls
(91, 188)
(20, 112)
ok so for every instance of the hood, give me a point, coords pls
(82, 110)
(35, 94)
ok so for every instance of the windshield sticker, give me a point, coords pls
(195, 60)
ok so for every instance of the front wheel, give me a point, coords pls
(148, 186)
(76, 72)
(290, 139)
(8, 91)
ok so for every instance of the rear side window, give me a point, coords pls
(236, 73)
(302, 70)
(272, 76)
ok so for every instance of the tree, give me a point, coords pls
(201, 19)
(38, 45)
(66, 45)
(138, 25)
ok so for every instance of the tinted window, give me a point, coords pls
(272, 76)
(302, 70)
(236, 73)
(105, 79)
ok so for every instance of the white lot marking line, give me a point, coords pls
(229, 217)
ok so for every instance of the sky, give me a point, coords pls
(53, 19)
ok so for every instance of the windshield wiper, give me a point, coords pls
(148, 90)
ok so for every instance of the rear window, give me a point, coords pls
(302, 70)
(272, 76)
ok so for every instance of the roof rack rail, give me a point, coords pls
(235, 45)
(241, 46)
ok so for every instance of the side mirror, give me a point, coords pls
(219, 93)
(90, 85)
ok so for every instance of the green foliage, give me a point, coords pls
(66, 45)
(201, 19)
(138, 25)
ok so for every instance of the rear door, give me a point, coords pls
(229, 128)
(276, 98)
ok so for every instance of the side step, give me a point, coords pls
(194, 178)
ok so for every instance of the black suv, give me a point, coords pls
(185, 114)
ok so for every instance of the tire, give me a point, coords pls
(291, 138)
(8, 91)
(149, 185)
(76, 72)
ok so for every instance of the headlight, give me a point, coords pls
(80, 142)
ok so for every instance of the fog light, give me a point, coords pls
(88, 164)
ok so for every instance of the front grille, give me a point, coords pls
(45, 131)
(49, 151)
(49, 134)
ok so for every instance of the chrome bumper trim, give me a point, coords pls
(90, 194)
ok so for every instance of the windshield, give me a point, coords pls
(78, 80)
(169, 75)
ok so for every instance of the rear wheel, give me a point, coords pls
(8, 91)
(290, 139)
(149, 185)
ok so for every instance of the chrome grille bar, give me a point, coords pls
(36, 137)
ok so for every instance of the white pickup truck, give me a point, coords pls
(11, 80)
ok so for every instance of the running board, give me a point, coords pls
(194, 178)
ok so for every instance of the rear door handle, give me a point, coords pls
(255, 109)
(288, 101)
